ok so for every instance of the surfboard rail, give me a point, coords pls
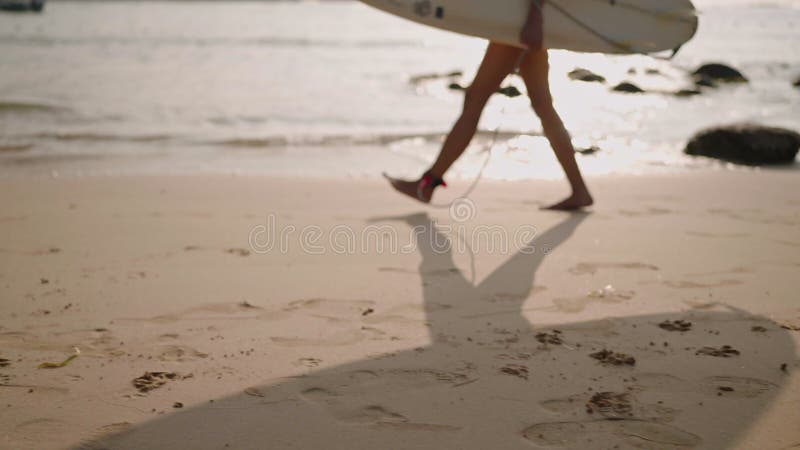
(606, 26)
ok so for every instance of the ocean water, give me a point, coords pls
(329, 89)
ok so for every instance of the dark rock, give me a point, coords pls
(652, 71)
(628, 88)
(687, 93)
(588, 150)
(586, 75)
(509, 91)
(719, 73)
(22, 5)
(456, 87)
(746, 144)
(796, 82)
(704, 81)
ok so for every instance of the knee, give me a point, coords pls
(475, 98)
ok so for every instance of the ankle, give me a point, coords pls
(432, 180)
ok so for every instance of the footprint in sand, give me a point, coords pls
(89, 339)
(738, 387)
(337, 405)
(502, 297)
(371, 414)
(661, 382)
(646, 212)
(357, 383)
(342, 338)
(430, 273)
(635, 409)
(179, 353)
(347, 407)
(683, 284)
(22, 340)
(607, 433)
(213, 311)
(578, 304)
(404, 379)
(319, 396)
(33, 388)
(409, 313)
(716, 235)
(308, 362)
(398, 270)
(331, 307)
(592, 268)
(36, 432)
(566, 404)
(738, 270)
(104, 432)
(755, 216)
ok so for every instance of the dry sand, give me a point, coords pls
(190, 339)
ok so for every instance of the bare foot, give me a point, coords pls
(572, 203)
(410, 188)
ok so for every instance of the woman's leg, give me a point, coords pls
(535, 70)
(499, 61)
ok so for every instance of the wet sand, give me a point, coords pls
(666, 317)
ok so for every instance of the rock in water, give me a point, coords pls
(746, 144)
(509, 91)
(687, 93)
(456, 87)
(628, 88)
(718, 73)
(588, 150)
(586, 75)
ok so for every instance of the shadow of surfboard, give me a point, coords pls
(490, 379)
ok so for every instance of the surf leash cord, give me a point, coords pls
(614, 43)
(478, 177)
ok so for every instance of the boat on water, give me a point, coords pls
(22, 5)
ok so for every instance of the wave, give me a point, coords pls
(21, 106)
(95, 137)
(14, 148)
(271, 41)
(336, 140)
(351, 140)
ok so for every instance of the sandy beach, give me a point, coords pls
(197, 250)
(664, 318)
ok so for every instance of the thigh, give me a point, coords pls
(535, 71)
(499, 61)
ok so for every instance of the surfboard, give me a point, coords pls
(604, 26)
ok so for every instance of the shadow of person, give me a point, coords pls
(490, 379)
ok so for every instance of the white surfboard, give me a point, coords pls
(605, 26)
